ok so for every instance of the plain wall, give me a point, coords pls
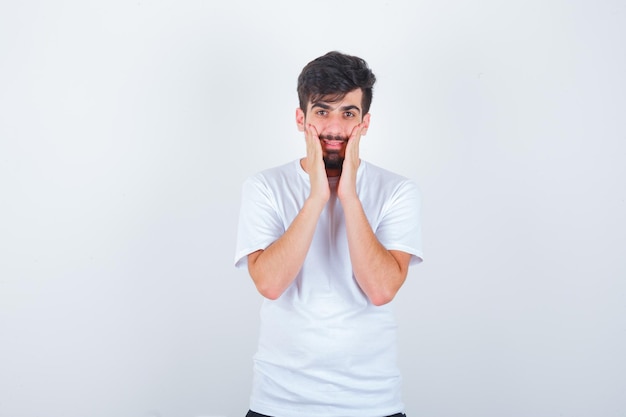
(127, 128)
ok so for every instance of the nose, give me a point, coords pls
(334, 125)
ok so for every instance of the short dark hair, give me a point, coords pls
(332, 76)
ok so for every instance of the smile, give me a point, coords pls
(333, 144)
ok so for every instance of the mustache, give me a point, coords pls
(334, 137)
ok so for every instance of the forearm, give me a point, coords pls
(275, 268)
(380, 273)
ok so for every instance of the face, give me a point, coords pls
(334, 122)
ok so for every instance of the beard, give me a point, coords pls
(333, 160)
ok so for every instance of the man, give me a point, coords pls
(328, 240)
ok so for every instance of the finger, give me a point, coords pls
(355, 138)
(311, 132)
(312, 137)
(308, 134)
(357, 131)
(314, 147)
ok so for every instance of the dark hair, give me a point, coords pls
(334, 75)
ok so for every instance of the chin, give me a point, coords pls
(334, 163)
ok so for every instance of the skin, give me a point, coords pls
(379, 272)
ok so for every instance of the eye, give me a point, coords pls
(349, 114)
(321, 112)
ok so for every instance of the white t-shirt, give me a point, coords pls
(324, 348)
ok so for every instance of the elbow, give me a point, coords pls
(382, 295)
(271, 292)
(385, 293)
(382, 298)
(267, 286)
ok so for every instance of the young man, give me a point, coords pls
(328, 240)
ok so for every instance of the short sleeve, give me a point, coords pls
(400, 225)
(259, 223)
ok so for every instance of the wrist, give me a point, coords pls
(315, 202)
(349, 198)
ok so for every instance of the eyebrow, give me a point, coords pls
(326, 106)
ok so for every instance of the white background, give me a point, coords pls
(127, 128)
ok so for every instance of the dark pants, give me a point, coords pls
(253, 414)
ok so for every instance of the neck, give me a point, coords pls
(333, 172)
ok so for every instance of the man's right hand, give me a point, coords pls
(275, 268)
(320, 190)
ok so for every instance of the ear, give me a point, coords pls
(366, 124)
(300, 119)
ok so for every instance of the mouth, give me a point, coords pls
(333, 144)
(333, 141)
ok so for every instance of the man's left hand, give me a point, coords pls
(347, 182)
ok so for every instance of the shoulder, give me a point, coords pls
(274, 174)
(375, 170)
(279, 180)
(376, 176)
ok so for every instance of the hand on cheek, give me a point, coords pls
(315, 164)
(347, 183)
